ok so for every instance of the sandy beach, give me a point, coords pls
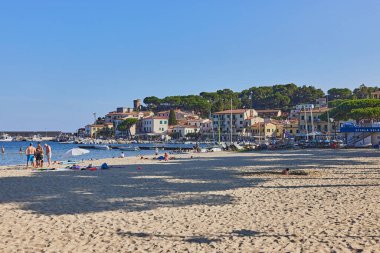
(213, 202)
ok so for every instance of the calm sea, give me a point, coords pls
(12, 155)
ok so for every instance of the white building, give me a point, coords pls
(183, 130)
(154, 124)
(203, 124)
(240, 120)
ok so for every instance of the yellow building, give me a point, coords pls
(263, 130)
(291, 127)
(90, 130)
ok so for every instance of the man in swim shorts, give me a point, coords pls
(30, 155)
(48, 153)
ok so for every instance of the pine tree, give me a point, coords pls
(172, 118)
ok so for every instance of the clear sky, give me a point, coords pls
(62, 60)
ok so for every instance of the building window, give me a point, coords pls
(302, 117)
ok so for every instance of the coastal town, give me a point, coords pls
(190, 126)
(304, 122)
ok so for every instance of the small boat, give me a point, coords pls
(67, 142)
(5, 138)
(103, 147)
(129, 148)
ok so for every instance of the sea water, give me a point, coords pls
(12, 155)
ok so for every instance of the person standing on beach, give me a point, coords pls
(156, 151)
(39, 155)
(30, 155)
(48, 153)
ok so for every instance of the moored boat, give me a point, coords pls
(5, 138)
(129, 148)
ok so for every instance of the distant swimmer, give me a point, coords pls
(2, 149)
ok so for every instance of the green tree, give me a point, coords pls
(126, 125)
(343, 111)
(368, 113)
(152, 102)
(363, 91)
(172, 118)
(336, 93)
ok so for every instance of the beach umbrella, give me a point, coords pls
(75, 152)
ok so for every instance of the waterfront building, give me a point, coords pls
(263, 130)
(90, 130)
(154, 125)
(310, 121)
(270, 113)
(240, 120)
(183, 130)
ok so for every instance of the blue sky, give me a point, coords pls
(62, 60)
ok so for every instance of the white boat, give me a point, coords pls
(5, 138)
(103, 147)
(129, 148)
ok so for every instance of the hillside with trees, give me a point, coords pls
(279, 96)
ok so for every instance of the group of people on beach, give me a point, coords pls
(36, 155)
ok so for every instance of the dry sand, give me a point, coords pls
(217, 202)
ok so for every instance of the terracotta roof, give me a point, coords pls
(235, 111)
(157, 117)
(184, 126)
(269, 110)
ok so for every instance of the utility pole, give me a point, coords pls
(306, 126)
(328, 117)
(218, 129)
(212, 121)
(312, 123)
(95, 123)
(250, 113)
(231, 121)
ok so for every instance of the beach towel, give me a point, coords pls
(91, 169)
(75, 167)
